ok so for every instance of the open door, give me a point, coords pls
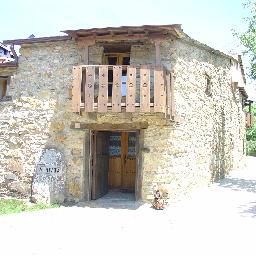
(100, 164)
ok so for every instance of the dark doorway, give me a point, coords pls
(114, 162)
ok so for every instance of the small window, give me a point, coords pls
(4, 83)
(208, 85)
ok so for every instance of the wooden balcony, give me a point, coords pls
(107, 88)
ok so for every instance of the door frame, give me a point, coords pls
(138, 176)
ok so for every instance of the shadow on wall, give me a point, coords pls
(217, 166)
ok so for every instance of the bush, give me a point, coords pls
(251, 136)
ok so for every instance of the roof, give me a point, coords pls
(207, 47)
(147, 31)
(242, 67)
(243, 92)
(126, 33)
(123, 32)
(37, 40)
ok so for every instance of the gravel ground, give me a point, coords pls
(218, 220)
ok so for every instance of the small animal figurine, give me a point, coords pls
(160, 196)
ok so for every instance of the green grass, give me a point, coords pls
(8, 206)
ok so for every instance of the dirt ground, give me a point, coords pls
(217, 220)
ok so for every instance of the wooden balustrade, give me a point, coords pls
(107, 88)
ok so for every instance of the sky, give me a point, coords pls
(208, 21)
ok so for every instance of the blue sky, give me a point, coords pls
(207, 21)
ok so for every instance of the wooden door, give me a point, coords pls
(122, 160)
(100, 164)
(115, 160)
(129, 169)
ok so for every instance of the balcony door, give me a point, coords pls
(117, 59)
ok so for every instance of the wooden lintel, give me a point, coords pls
(109, 126)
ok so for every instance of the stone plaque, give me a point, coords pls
(48, 184)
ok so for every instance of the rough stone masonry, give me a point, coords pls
(205, 144)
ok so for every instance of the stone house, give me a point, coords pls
(123, 108)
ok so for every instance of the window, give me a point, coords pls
(208, 85)
(4, 84)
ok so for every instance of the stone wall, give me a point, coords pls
(205, 145)
(209, 140)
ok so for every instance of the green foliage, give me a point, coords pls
(251, 135)
(248, 38)
(8, 206)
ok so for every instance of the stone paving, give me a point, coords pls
(218, 220)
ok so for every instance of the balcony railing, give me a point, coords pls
(108, 88)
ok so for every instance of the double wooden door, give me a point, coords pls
(113, 162)
(122, 160)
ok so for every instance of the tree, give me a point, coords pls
(248, 38)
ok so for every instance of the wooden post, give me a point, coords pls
(172, 111)
(157, 48)
(76, 89)
(167, 81)
(84, 46)
(85, 55)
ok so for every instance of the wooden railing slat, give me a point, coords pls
(117, 89)
(159, 90)
(145, 89)
(130, 89)
(76, 89)
(89, 89)
(103, 89)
